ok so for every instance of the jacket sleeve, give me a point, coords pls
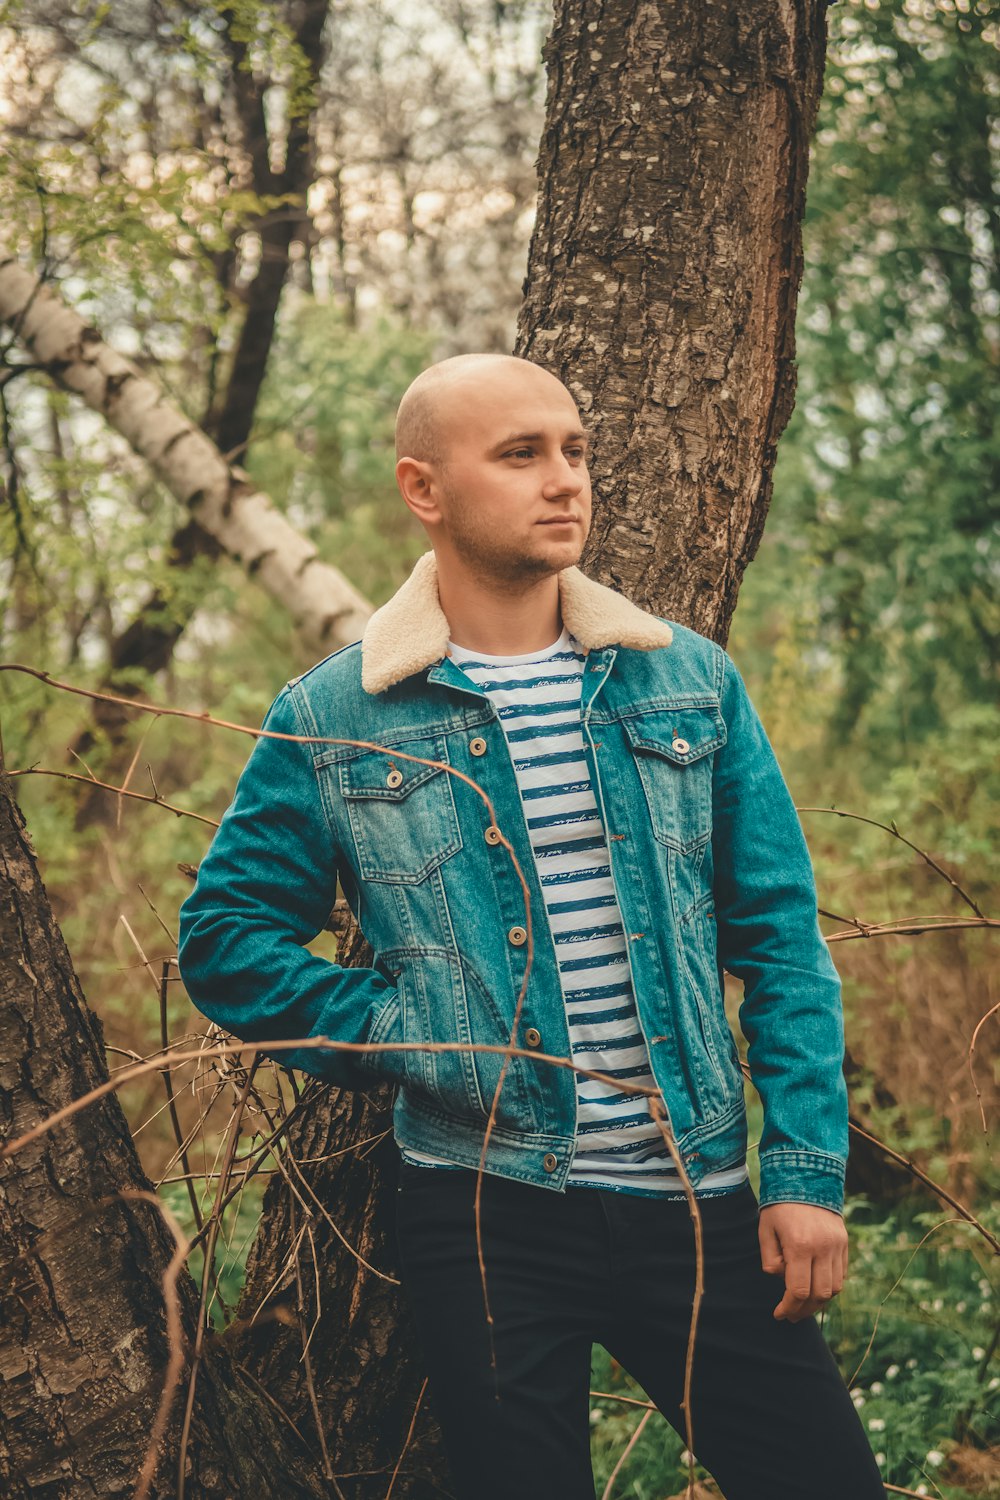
(264, 889)
(769, 937)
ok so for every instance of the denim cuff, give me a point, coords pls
(792, 1175)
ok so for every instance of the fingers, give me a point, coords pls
(811, 1281)
(797, 1264)
(812, 1252)
(799, 1300)
(771, 1258)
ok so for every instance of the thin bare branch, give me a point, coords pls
(657, 1108)
(891, 828)
(623, 1457)
(181, 812)
(972, 1052)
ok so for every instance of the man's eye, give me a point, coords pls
(580, 453)
(520, 453)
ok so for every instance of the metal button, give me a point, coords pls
(681, 746)
(533, 1037)
(492, 834)
(550, 1162)
(394, 778)
(477, 746)
(517, 936)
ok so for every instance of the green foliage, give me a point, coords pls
(654, 1468)
(271, 49)
(914, 1333)
(884, 528)
(323, 448)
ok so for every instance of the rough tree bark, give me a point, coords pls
(82, 1328)
(365, 1368)
(662, 287)
(664, 271)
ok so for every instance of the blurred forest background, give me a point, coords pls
(179, 167)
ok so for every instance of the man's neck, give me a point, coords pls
(500, 618)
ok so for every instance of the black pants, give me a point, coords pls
(772, 1417)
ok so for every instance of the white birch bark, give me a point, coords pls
(325, 606)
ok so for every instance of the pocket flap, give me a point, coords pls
(681, 734)
(381, 774)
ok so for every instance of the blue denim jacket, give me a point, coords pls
(709, 863)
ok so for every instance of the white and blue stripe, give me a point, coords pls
(537, 696)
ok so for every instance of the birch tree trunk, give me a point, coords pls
(149, 639)
(327, 609)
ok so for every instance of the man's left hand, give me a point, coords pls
(809, 1244)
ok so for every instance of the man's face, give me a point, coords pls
(513, 489)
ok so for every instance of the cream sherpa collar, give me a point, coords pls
(410, 630)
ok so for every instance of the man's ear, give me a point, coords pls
(416, 485)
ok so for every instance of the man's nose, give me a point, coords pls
(564, 478)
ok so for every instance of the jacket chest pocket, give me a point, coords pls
(673, 751)
(401, 813)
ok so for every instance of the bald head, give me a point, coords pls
(492, 461)
(432, 404)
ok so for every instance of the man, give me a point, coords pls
(629, 775)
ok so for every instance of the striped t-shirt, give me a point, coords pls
(537, 696)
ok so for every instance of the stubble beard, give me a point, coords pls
(492, 556)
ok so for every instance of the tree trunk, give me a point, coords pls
(83, 1347)
(232, 427)
(364, 1364)
(327, 609)
(664, 271)
(148, 641)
